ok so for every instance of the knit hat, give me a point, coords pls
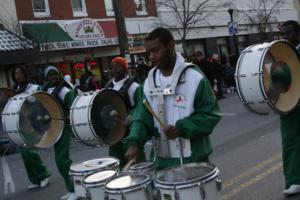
(48, 69)
(121, 61)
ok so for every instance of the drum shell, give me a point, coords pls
(80, 116)
(142, 190)
(209, 186)
(78, 176)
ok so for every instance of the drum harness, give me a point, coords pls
(161, 144)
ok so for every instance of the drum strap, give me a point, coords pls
(161, 144)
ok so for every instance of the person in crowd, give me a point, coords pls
(141, 70)
(61, 90)
(89, 82)
(290, 125)
(127, 88)
(203, 64)
(36, 170)
(219, 75)
(183, 100)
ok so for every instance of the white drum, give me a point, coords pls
(98, 117)
(143, 167)
(79, 170)
(129, 187)
(194, 181)
(267, 77)
(95, 183)
(33, 119)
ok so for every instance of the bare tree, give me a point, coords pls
(262, 15)
(187, 14)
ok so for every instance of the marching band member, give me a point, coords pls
(290, 125)
(127, 88)
(36, 170)
(183, 101)
(65, 95)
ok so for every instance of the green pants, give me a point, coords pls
(62, 157)
(290, 133)
(35, 168)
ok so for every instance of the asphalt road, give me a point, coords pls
(247, 150)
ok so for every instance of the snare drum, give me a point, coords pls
(95, 183)
(33, 119)
(79, 170)
(267, 77)
(129, 186)
(143, 167)
(194, 181)
(97, 117)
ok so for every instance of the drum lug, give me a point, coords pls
(263, 101)
(148, 194)
(88, 194)
(248, 102)
(202, 191)
(122, 195)
(219, 184)
(177, 197)
(257, 73)
(240, 75)
(105, 196)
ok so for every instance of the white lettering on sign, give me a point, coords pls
(85, 29)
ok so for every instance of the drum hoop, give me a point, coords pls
(84, 172)
(150, 166)
(95, 184)
(130, 188)
(187, 184)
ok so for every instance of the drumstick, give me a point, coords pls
(126, 167)
(154, 114)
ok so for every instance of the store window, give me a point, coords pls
(109, 8)
(140, 7)
(40, 8)
(79, 8)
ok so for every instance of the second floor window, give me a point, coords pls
(109, 8)
(40, 8)
(79, 8)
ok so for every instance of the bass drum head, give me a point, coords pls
(5, 94)
(41, 120)
(281, 72)
(109, 116)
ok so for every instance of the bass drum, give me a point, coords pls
(267, 77)
(5, 94)
(99, 117)
(33, 119)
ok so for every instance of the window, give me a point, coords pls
(79, 8)
(140, 7)
(109, 8)
(40, 8)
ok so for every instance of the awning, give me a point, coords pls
(71, 34)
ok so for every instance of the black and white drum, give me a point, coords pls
(267, 77)
(194, 181)
(95, 183)
(5, 95)
(33, 119)
(143, 167)
(99, 117)
(129, 186)
(79, 170)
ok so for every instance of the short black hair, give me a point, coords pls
(23, 72)
(164, 35)
(293, 23)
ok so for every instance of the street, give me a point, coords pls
(247, 150)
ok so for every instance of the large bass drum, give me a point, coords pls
(33, 119)
(267, 77)
(5, 94)
(99, 117)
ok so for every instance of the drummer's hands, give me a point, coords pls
(171, 132)
(132, 153)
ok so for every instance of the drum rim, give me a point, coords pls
(130, 188)
(184, 184)
(150, 166)
(85, 172)
(95, 184)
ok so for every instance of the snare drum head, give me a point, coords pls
(99, 177)
(126, 181)
(94, 164)
(109, 115)
(41, 120)
(186, 173)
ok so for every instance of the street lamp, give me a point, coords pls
(230, 11)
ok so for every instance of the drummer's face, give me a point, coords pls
(53, 78)
(290, 34)
(118, 71)
(19, 76)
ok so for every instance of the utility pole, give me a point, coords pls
(230, 11)
(121, 27)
